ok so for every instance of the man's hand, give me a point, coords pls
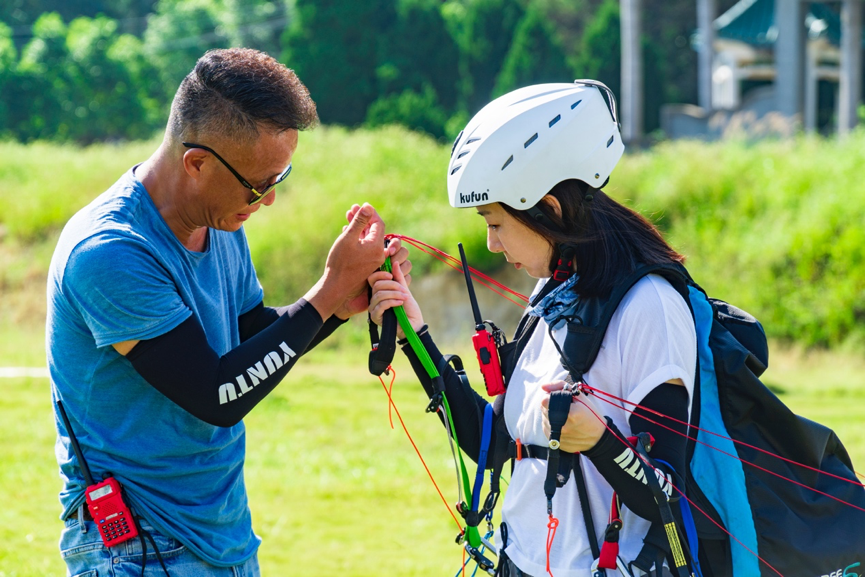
(355, 254)
(358, 301)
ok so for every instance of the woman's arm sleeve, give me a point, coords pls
(467, 407)
(620, 465)
(221, 390)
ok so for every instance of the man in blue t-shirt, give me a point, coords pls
(158, 340)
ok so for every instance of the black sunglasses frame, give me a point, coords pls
(258, 195)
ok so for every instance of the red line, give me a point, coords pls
(628, 445)
(740, 459)
(456, 264)
(764, 451)
(416, 450)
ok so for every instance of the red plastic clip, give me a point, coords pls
(519, 450)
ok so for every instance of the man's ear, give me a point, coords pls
(553, 203)
(193, 160)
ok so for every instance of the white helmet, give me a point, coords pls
(520, 145)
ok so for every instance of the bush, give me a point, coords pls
(773, 227)
(410, 109)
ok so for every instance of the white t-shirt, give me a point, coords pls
(650, 340)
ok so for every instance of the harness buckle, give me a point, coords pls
(434, 404)
(484, 564)
(519, 450)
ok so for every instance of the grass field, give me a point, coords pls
(333, 490)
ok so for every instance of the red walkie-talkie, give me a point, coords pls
(486, 343)
(104, 500)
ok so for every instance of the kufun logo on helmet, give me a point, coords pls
(520, 145)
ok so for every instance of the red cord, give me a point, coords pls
(551, 534)
(456, 264)
(769, 453)
(416, 450)
(628, 445)
(389, 393)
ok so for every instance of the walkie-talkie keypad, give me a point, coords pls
(115, 527)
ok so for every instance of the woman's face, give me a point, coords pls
(522, 247)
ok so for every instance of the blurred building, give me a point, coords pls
(775, 66)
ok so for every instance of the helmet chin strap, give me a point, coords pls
(565, 266)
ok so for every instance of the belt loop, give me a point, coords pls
(81, 522)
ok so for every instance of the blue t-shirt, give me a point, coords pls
(119, 274)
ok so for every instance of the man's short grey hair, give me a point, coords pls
(233, 92)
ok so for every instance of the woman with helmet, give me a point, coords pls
(533, 163)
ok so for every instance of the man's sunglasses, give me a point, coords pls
(257, 194)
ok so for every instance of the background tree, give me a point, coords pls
(535, 56)
(42, 97)
(8, 61)
(417, 79)
(178, 34)
(336, 46)
(483, 30)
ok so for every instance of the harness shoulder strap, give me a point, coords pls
(588, 324)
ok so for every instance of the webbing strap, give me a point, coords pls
(690, 529)
(667, 520)
(580, 480)
(486, 435)
(559, 407)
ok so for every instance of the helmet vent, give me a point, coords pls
(464, 152)
(531, 140)
(507, 162)
(470, 140)
(574, 105)
(554, 120)
(610, 141)
(454, 147)
(456, 168)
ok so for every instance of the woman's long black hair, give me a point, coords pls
(609, 240)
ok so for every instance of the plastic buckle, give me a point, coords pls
(435, 403)
(519, 450)
(561, 275)
(484, 564)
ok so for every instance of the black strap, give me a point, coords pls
(669, 523)
(383, 349)
(580, 480)
(559, 407)
(587, 329)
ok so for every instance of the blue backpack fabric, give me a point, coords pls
(791, 528)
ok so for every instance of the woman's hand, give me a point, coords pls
(391, 290)
(583, 429)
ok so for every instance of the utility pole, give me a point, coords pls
(632, 72)
(850, 85)
(706, 11)
(789, 57)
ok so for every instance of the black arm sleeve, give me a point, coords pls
(621, 467)
(467, 407)
(222, 390)
(260, 317)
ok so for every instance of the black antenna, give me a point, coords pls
(479, 323)
(77, 449)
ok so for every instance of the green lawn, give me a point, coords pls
(333, 490)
